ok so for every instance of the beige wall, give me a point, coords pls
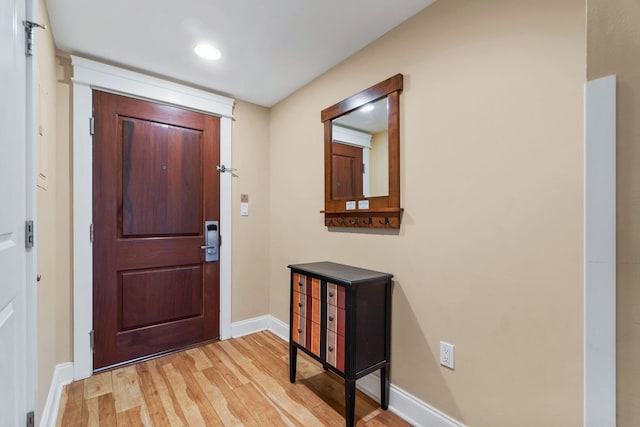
(489, 256)
(613, 40)
(53, 233)
(250, 257)
(379, 164)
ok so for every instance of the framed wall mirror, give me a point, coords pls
(362, 158)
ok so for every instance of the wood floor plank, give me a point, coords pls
(234, 354)
(97, 385)
(153, 398)
(107, 410)
(230, 410)
(225, 366)
(126, 389)
(167, 396)
(260, 407)
(331, 389)
(386, 418)
(75, 402)
(328, 415)
(63, 405)
(134, 417)
(280, 396)
(274, 364)
(100, 411)
(195, 406)
(273, 343)
(200, 359)
(241, 382)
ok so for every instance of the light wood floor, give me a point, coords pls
(243, 381)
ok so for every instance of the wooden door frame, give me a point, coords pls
(87, 76)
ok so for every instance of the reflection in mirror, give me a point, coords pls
(359, 162)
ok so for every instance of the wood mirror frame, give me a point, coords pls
(367, 212)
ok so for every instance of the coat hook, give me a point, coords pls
(330, 222)
(386, 221)
(341, 220)
(354, 222)
(369, 221)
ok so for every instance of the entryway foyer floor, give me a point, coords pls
(242, 381)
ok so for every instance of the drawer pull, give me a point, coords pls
(330, 294)
(331, 318)
(330, 348)
(300, 284)
(300, 304)
(299, 331)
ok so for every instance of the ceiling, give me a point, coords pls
(270, 48)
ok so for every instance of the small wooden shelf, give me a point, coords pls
(378, 218)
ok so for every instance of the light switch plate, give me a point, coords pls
(244, 209)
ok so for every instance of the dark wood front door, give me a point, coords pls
(154, 186)
(346, 167)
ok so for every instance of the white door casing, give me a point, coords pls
(17, 203)
(89, 75)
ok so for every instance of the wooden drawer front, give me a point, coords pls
(335, 350)
(306, 285)
(306, 306)
(335, 295)
(306, 333)
(335, 319)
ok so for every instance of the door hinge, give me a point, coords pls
(28, 234)
(91, 339)
(31, 419)
(28, 28)
(91, 233)
(364, 168)
(92, 125)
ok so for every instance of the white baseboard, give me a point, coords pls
(261, 323)
(279, 328)
(403, 404)
(406, 406)
(62, 375)
(249, 326)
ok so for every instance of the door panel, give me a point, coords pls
(346, 168)
(13, 202)
(154, 296)
(150, 188)
(154, 186)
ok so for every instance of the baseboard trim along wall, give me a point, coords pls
(403, 404)
(62, 375)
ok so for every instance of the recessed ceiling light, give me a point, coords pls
(367, 108)
(206, 51)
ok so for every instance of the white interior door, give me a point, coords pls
(13, 160)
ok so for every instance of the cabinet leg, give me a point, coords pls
(293, 357)
(350, 402)
(384, 387)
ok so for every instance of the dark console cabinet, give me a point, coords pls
(341, 316)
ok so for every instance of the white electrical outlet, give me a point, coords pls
(446, 354)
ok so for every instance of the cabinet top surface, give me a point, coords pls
(339, 272)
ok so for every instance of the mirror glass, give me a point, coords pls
(360, 152)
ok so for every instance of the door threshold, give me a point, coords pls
(152, 356)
